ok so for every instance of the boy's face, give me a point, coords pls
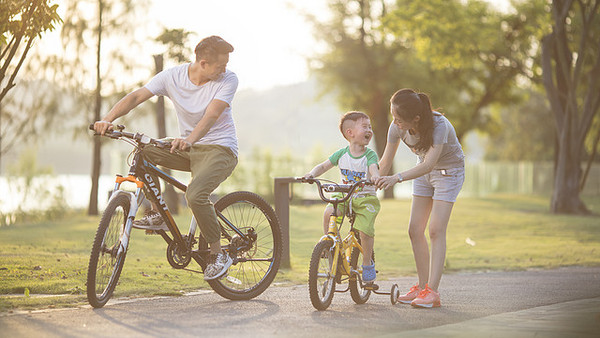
(361, 132)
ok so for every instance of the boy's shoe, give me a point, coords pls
(217, 266)
(408, 297)
(151, 221)
(427, 298)
(369, 274)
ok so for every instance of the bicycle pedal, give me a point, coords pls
(151, 232)
(371, 286)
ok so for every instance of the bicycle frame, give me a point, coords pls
(141, 172)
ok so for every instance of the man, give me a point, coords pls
(202, 92)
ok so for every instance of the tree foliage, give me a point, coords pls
(475, 55)
(21, 23)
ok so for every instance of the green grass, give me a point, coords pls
(510, 233)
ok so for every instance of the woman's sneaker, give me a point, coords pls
(427, 298)
(369, 274)
(217, 266)
(408, 297)
(151, 221)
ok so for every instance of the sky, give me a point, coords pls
(272, 39)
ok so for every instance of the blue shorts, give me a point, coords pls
(440, 184)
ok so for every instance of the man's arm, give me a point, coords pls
(213, 112)
(124, 106)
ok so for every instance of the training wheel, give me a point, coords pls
(394, 294)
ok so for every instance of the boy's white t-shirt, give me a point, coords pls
(191, 102)
(354, 169)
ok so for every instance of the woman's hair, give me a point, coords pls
(409, 104)
(210, 48)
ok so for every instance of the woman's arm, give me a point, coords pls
(425, 167)
(431, 158)
(387, 159)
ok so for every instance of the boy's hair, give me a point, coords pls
(351, 116)
(209, 48)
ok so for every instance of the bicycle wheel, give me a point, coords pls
(358, 293)
(258, 263)
(105, 265)
(321, 281)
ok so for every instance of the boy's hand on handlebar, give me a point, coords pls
(180, 144)
(101, 127)
(385, 182)
(308, 176)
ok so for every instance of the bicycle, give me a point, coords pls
(335, 259)
(250, 232)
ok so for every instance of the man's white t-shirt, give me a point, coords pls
(191, 101)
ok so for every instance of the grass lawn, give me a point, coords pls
(504, 232)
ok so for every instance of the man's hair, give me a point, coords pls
(351, 116)
(211, 47)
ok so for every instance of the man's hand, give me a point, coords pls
(180, 144)
(101, 127)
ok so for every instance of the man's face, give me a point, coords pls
(214, 69)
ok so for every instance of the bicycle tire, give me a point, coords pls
(359, 294)
(249, 277)
(104, 267)
(321, 281)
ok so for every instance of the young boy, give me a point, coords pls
(356, 162)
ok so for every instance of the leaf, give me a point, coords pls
(27, 292)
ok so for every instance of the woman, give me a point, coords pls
(438, 178)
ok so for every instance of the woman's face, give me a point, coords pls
(402, 123)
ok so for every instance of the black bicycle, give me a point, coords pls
(250, 232)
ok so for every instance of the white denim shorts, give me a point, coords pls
(440, 184)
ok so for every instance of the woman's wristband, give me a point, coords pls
(400, 179)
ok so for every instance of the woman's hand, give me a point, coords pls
(385, 182)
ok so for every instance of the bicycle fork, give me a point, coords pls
(135, 199)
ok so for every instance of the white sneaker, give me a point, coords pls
(152, 221)
(217, 266)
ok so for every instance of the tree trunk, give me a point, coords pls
(567, 175)
(97, 156)
(170, 194)
(380, 129)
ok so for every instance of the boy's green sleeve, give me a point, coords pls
(372, 157)
(335, 158)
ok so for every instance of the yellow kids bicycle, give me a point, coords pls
(336, 260)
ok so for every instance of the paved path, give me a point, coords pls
(546, 303)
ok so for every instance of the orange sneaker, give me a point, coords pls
(408, 297)
(427, 298)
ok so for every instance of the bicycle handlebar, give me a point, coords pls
(138, 137)
(334, 187)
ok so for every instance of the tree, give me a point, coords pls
(176, 41)
(571, 76)
(362, 63)
(475, 55)
(21, 22)
(97, 20)
(524, 133)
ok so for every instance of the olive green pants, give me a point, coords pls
(210, 165)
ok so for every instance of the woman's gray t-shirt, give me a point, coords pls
(452, 155)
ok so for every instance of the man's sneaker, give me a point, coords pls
(369, 274)
(152, 221)
(427, 298)
(217, 266)
(408, 297)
